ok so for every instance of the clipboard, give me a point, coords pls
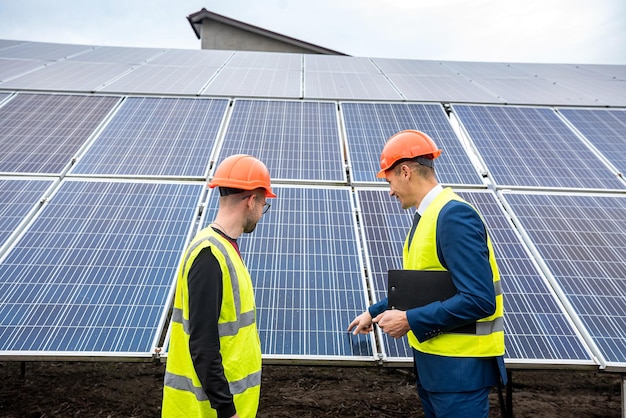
(409, 289)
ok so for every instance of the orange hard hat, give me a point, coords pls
(243, 172)
(404, 145)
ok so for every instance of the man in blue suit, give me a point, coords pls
(455, 371)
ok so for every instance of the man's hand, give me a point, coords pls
(362, 324)
(393, 322)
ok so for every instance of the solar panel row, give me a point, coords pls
(87, 69)
(100, 256)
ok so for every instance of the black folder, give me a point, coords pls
(409, 289)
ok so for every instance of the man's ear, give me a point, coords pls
(251, 202)
(406, 171)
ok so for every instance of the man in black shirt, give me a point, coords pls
(214, 359)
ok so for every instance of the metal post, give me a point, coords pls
(509, 394)
(624, 396)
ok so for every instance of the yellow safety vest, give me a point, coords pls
(240, 347)
(489, 338)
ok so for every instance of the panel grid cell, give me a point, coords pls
(295, 140)
(306, 270)
(369, 125)
(533, 147)
(92, 272)
(582, 239)
(41, 133)
(156, 137)
(536, 327)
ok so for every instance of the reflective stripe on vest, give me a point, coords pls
(184, 383)
(224, 330)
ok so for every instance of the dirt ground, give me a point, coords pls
(74, 389)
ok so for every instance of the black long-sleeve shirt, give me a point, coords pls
(205, 300)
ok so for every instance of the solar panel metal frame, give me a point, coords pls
(548, 272)
(492, 177)
(377, 289)
(242, 149)
(159, 330)
(437, 137)
(208, 214)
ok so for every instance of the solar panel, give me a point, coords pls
(339, 64)
(346, 86)
(266, 60)
(163, 79)
(296, 140)
(192, 58)
(582, 240)
(594, 85)
(43, 51)
(68, 76)
(93, 272)
(537, 330)
(369, 125)
(18, 199)
(452, 88)
(256, 82)
(118, 55)
(41, 133)
(150, 136)
(533, 147)
(307, 274)
(604, 128)
(10, 68)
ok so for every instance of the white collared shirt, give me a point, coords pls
(428, 199)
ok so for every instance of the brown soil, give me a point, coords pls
(72, 389)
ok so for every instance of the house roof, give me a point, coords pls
(196, 19)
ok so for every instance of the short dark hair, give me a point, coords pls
(422, 161)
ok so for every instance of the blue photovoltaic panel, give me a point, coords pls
(307, 274)
(604, 128)
(17, 198)
(582, 239)
(93, 271)
(295, 140)
(385, 225)
(160, 137)
(533, 147)
(41, 133)
(536, 327)
(369, 125)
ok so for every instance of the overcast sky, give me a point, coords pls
(545, 31)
